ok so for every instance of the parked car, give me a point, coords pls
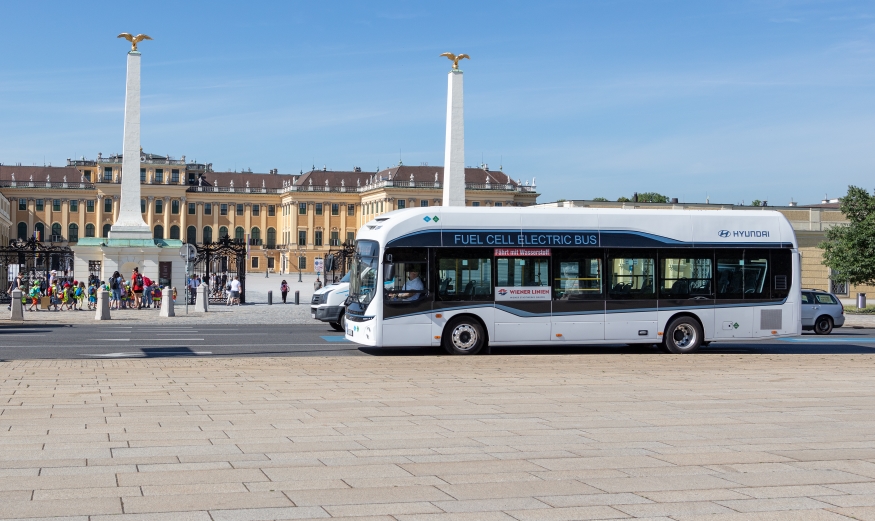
(821, 311)
(329, 304)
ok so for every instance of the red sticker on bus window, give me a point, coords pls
(522, 252)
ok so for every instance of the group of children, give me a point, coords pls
(63, 295)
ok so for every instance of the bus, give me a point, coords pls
(466, 278)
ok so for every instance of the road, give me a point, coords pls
(115, 341)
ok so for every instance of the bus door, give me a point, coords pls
(686, 280)
(406, 299)
(462, 284)
(522, 294)
(630, 310)
(578, 295)
(735, 280)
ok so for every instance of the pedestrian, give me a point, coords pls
(156, 296)
(92, 296)
(137, 285)
(80, 296)
(284, 289)
(147, 292)
(174, 293)
(16, 284)
(318, 284)
(235, 291)
(34, 295)
(115, 287)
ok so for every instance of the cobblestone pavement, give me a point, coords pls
(658, 437)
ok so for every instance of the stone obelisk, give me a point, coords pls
(130, 223)
(454, 152)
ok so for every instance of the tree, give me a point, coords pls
(624, 200)
(600, 199)
(652, 197)
(850, 250)
(756, 202)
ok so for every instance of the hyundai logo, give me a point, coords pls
(724, 233)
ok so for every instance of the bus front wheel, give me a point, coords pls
(683, 335)
(463, 336)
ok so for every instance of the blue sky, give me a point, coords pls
(734, 100)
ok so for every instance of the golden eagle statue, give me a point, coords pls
(134, 39)
(455, 59)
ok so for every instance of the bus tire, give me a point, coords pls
(683, 335)
(463, 336)
(823, 325)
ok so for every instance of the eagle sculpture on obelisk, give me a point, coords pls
(454, 151)
(130, 223)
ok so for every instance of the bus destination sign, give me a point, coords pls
(522, 252)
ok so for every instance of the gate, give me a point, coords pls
(217, 263)
(35, 261)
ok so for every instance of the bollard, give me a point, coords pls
(297, 297)
(270, 298)
(17, 308)
(202, 300)
(861, 301)
(167, 302)
(102, 308)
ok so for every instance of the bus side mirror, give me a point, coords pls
(388, 271)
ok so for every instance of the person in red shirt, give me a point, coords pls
(137, 285)
(147, 292)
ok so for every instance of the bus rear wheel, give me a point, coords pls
(463, 336)
(683, 335)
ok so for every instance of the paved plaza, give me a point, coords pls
(649, 436)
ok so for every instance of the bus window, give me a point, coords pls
(684, 277)
(631, 276)
(742, 275)
(576, 276)
(756, 271)
(410, 275)
(464, 275)
(522, 271)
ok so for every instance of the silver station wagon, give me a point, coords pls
(821, 311)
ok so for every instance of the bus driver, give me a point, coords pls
(413, 286)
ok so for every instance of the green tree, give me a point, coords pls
(756, 202)
(601, 199)
(850, 250)
(652, 197)
(624, 200)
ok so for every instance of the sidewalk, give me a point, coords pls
(660, 437)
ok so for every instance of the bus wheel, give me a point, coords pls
(683, 335)
(336, 326)
(463, 336)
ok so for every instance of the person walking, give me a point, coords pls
(284, 290)
(137, 285)
(115, 287)
(147, 292)
(235, 291)
(14, 285)
(318, 284)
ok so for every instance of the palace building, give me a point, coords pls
(288, 219)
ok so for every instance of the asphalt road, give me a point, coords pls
(115, 341)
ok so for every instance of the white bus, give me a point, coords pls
(465, 278)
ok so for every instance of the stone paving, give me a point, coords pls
(657, 437)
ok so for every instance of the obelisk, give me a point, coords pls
(454, 151)
(130, 223)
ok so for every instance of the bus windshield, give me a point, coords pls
(363, 275)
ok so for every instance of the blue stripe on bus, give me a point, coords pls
(528, 314)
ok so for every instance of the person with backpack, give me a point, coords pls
(92, 296)
(284, 289)
(115, 288)
(137, 285)
(80, 296)
(147, 292)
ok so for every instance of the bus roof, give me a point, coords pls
(439, 226)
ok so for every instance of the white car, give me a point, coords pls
(329, 304)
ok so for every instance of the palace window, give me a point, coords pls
(350, 237)
(192, 208)
(318, 208)
(159, 206)
(223, 231)
(240, 209)
(56, 205)
(497, 205)
(107, 204)
(256, 210)
(191, 235)
(106, 229)
(159, 175)
(142, 175)
(350, 210)
(174, 176)
(318, 238)
(302, 262)
(271, 238)
(255, 262)
(302, 208)
(74, 205)
(271, 210)
(22, 204)
(208, 234)
(87, 175)
(142, 206)
(208, 208)
(423, 202)
(174, 207)
(239, 233)
(159, 232)
(402, 204)
(89, 208)
(89, 230)
(174, 232)
(223, 209)
(107, 174)
(302, 237)
(475, 203)
(335, 209)
(335, 239)
(40, 205)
